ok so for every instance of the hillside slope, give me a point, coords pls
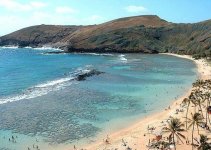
(148, 34)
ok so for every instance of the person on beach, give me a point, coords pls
(107, 140)
(124, 143)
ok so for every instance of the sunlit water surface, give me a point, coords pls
(41, 103)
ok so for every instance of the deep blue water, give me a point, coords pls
(39, 97)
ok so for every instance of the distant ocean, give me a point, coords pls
(42, 104)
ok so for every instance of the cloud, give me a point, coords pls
(95, 18)
(17, 6)
(40, 15)
(65, 10)
(13, 22)
(136, 9)
(37, 4)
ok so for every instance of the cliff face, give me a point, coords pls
(38, 35)
(148, 34)
(193, 39)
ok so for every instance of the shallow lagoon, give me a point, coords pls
(49, 106)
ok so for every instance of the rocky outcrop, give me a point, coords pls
(84, 75)
(146, 34)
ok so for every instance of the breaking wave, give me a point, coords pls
(97, 54)
(9, 47)
(122, 58)
(45, 88)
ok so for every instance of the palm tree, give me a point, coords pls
(198, 83)
(193, 98)
(204, 145)
(196, 119)
(199, 102)
(187, 102)
(175, 129)
(208, 100)
(200, 98)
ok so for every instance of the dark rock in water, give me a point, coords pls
(83, 76)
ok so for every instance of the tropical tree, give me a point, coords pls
(175, 127)
(204, 145)
(196, 120)
(208, 100)
(199, 103)
(199, 100)
(193, 98)
(187, 102)
(198, 83)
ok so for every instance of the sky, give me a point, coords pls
(17, 14)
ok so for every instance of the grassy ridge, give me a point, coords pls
(148, 34)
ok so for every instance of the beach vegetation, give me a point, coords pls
(204, 143)
(175, 129)
(195, 120)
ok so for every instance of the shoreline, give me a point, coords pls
(59, 50)
(135, 132)
(136, 135)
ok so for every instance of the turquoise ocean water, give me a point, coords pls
(41, 103)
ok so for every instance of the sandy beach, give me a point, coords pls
(137, 136)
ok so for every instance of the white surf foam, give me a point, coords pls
(122, 58)
(47, 48)
(9, 47)
(28, 47)
(38, 90)
(96, 54)
(53, 53)
(55, 82)
(45, 88)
